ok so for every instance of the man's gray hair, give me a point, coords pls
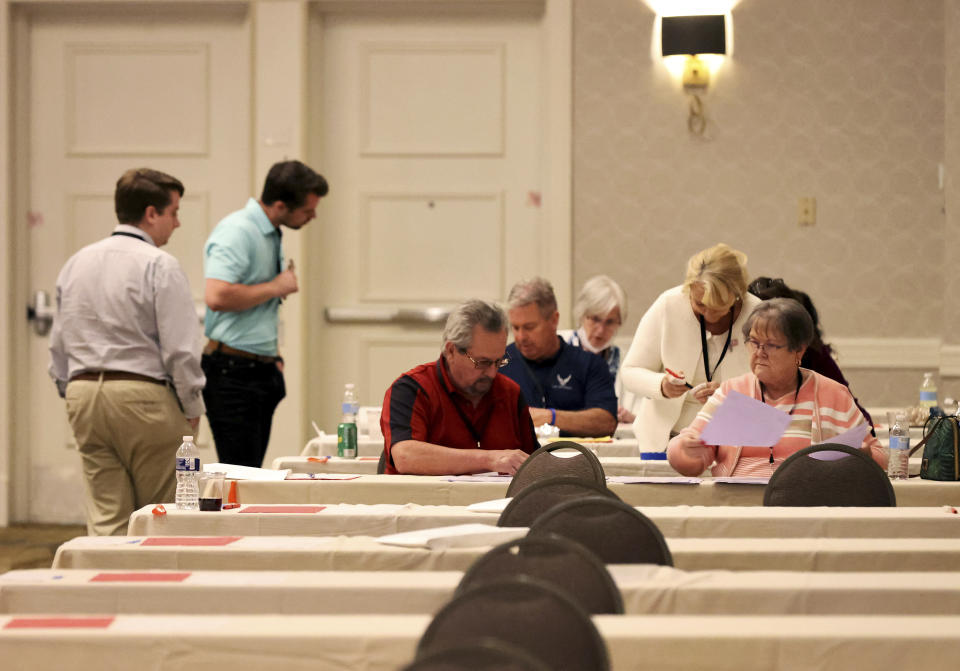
(537, 290)
(459, 328)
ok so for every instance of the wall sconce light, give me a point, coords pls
(694, 36)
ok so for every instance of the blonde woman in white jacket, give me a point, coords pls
(687, 343)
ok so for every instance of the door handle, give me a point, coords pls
(349, 315)
(40, 313)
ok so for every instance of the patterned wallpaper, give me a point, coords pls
(841, 101)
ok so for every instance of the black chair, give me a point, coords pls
(528, 613)
(382, 464)
(539, 497)
(485, 654)
(544, 464)
(559, 561)
(829, 474)
(614, 531)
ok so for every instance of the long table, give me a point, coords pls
(364, 553)
(635, 466)
(444, 490)
(387, 642)
(674, 521)
(367, 446)
(645, 589)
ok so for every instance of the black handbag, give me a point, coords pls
(940, 442)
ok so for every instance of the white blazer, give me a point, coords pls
(669, 337)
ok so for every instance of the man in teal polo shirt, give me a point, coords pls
(245, 283)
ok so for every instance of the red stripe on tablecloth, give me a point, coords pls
(82, 622)
(282, 509)
(191, 540)
(140, 577)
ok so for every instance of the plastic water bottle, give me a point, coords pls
(188, 474)
(928, 392)
(347, 429)
(899, 454)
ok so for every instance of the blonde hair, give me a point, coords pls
(722, 272)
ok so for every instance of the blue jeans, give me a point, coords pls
(241, 395)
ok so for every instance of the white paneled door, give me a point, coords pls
(112, 88)
(431, 130)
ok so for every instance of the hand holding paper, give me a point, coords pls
(741, 420)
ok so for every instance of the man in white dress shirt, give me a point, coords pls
(125, 353)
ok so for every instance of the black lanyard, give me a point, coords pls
(703, 346)
(477, 436)
(129, 235)
(763, 398)
(536, 382)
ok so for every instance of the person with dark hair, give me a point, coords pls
(776, 333)
(458, 414)
(125, 355)
(245, 283)
(819, 355)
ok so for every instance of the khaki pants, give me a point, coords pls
(128, 433)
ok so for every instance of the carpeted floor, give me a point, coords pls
(33, 545)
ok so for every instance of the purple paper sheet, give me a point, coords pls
(741, 420)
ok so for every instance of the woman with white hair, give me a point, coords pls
(687, 344)
(600, 309)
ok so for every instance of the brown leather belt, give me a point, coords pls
(117, 375)
(217, 346)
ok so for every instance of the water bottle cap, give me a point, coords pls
(188, 439)
(349, 385)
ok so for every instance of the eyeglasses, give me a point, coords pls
(483, 364)
(605, 323)
(756, 345)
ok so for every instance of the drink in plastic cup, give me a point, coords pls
(211, 490)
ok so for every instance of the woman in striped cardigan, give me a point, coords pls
(777, 333)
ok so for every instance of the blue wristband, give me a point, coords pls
(553, 416)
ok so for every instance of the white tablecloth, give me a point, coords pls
(442, 490)
(364, 553)
(645, 589)
(674, 521)
(386, 642)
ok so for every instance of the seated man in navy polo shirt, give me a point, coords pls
(456, 414)
(564, 385)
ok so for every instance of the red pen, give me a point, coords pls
(679, 377)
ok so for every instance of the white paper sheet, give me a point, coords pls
(851, 437)
(494, 506)
(460, 535)
(742, 480)
(654, 480)
(235, 472)
(741, 420)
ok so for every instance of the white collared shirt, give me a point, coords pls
(123, 304)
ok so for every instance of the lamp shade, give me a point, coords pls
(693, 35)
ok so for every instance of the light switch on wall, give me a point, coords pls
(807, 211)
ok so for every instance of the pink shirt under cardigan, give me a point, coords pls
(823, 409)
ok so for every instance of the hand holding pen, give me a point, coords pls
(673, 385)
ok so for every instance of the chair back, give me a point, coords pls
(614, 531)
(539, 497)
(829, 474)
(556, 560)
(543, 463)
(528, 613)
(382, 464)
(483, 654)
